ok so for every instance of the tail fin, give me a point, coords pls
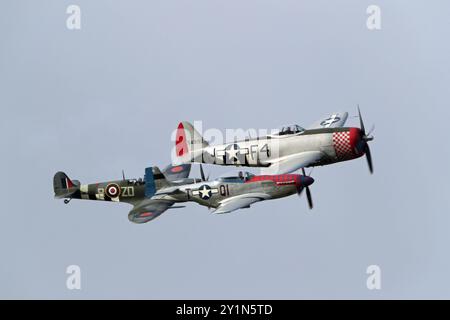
(188, 141)
(63, 186)
(154, 180)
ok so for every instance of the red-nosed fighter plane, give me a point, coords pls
(292, 148)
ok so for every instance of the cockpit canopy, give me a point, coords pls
(135, 182)
(241, 177)
(292, 129)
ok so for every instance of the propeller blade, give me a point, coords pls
(309, 197)
(366, 138)
(361, 123)
(308, 192)
(202, 174)
(369, 158)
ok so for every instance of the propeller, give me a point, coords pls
(306, 187)
(365, 138)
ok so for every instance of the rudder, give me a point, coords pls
(188, 141)
(63, 186)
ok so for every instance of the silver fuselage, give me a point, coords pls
(334, 144)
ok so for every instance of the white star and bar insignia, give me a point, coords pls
(233, 152)
(205, 192)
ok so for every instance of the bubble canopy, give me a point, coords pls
(240, 177)
(290, 129)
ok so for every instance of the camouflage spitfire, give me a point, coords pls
(292, 148)
(159, 191)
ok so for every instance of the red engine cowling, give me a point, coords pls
(346, 144)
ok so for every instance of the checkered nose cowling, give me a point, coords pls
(345, 144)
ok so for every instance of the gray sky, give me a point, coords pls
(106, 97)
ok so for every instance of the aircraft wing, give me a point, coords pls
(293, 162)
(241, 201)
(334, 120)
(177, 172)
(148, 210)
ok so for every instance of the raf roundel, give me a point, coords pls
(176, 169)
(112, 190)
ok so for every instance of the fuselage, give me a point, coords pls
(128, 191)
(335, 144)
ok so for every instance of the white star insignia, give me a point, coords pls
(204, 192)
(232, 152)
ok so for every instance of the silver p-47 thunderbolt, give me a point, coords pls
(292, 148)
